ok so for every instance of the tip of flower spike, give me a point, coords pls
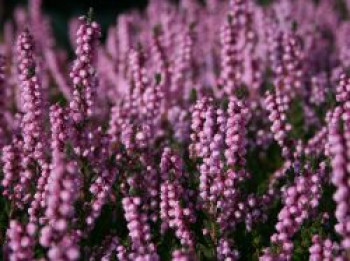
(90, 15)
(25, 47)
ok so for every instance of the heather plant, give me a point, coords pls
(195, 130)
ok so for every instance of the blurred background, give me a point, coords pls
(60, 11)
(67, 8)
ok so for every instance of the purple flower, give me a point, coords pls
(139, 230)
(338, 147)
(20, 241)
(32, 120)
(83, 73)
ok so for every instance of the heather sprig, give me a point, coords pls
(202, 130)
(33, 115)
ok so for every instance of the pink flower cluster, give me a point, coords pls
(323, 249)
(186, 133)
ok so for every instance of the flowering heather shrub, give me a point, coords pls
(211, 130)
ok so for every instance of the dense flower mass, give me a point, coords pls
(192, 130)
